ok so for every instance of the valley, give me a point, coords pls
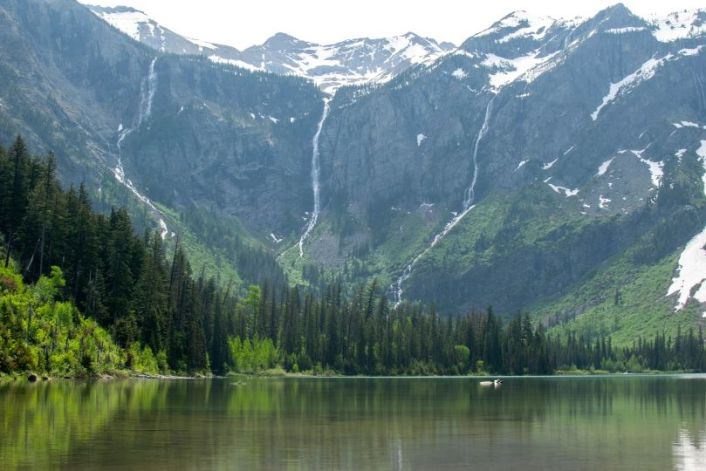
(283, 235)
(540, 166)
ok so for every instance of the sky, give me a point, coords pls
(243, 23)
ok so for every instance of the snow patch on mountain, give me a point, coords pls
(627, 84)
(526, 68)
(645, 72)
(691, 272)
(656, 168)
(549, 165)
(520, 24)
(686, 124)
(692, 261)
(603, 168)
(127, 20)
(629, 29)
(563, 190)
(202, 44)
(235, 62)
(534, 27)
(464, 53)
(679, 25)
(459, 74)
(603, 202)
(694, 51)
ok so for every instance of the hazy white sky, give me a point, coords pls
(242, 23)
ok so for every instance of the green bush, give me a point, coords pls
(37, 333)
(253, 355)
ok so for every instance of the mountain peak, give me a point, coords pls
(617, 18)
(618, 9)
(330, 66)
(516, 24)
(281, 41)
(617, 15)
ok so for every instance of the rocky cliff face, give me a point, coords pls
(583, 118)
(187, 129)
(236, 142)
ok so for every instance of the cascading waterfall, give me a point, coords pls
(147, 92)
(470, 193)
(468, 199)
(148, 96)
(315, 177)
(148, 88)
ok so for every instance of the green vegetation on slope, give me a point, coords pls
(40, 333)
(623, 300)
(162, 317)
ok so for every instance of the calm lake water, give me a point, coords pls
(595, 423)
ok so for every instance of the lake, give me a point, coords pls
(588, 423)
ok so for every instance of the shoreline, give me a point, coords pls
(31, 378)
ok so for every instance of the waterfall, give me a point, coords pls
(470, 193)
(469, 196)
(148, 87)
(315, 177)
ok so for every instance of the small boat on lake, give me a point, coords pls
(496, 383)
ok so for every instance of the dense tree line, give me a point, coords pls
(151, 301)
(363, 335)
(112, 275)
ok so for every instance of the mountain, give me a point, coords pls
(330, 66)
(550, 166)
(520, 169)
(101, 101)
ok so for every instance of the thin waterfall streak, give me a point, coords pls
(470, 193)
(151, 88)
(315, 178)
(148, 88)
(468, 204)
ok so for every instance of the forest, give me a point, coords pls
(81, 293)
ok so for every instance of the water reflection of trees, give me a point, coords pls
(40, 424)
(384, 416)
(519, 398)
(346, 423)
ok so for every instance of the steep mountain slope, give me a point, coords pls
(544, 164)
(122, 117)
(511, 170)
(330, 66)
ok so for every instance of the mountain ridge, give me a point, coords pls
(349, 62)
